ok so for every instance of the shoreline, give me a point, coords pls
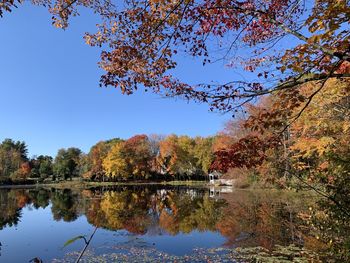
(82, 184)
(78, 185)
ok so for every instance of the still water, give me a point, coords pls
(170, 220)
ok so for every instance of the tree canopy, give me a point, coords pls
(280, 43)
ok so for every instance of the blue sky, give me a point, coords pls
(50, 97)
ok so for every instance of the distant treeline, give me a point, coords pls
(141, 157)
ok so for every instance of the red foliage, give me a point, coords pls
(248, 152)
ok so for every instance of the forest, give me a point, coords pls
(139, 158)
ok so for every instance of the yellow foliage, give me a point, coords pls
(324, 122)
(114, 164)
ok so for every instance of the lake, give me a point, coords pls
(154, 222)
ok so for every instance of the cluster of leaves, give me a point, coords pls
(283, 43)
(145, 37)
(248, 152)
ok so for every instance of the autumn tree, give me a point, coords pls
(95, 157)
(322, 127)
(137, 152)
(321, 157)
(312, 149)
(13, 160)
(174, 160)
(204, 153)
(129, 159)
(246, 144)
(114, 165)
(183, 157)
(155, 140)
(300, 146)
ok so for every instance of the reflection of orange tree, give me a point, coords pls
(123, 210)
(136, 211)
(95, 215)
(22, 198)
(186, 214)
(261, 220)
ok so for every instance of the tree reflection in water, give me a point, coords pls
(244, 218)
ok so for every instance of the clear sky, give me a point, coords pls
(50, 97)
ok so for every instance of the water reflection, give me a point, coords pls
(154, 212)
(243, 218)
(10, 208)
